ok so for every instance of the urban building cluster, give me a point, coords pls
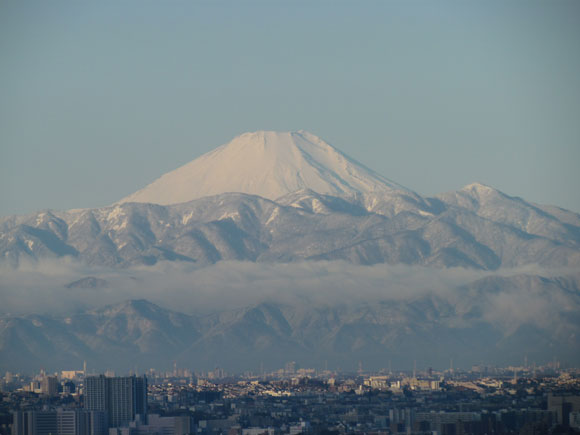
(521, 400)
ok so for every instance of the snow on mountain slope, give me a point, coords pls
(268, 164)
(491, 204)
(394, 227)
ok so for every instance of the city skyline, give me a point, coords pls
(479, 401)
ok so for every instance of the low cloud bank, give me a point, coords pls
(41, 287)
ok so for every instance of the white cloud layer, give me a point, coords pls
(41, 287)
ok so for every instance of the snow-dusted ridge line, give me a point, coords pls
(456, 229)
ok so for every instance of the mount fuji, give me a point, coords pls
(268, 164)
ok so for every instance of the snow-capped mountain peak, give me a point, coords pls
(269, 164)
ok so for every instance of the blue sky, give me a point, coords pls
(98, 99)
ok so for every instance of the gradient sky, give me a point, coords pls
(97, 99)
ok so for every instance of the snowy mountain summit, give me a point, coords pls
(268, 164)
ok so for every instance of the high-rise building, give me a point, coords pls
(122, 398)
(563, 406)
(49, 386)
(34, 423)
(99, 423)
(72, 422)
(96, 393)
(59, 422)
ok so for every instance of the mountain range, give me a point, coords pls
(269, 197)
(475, 227)
(429, 329)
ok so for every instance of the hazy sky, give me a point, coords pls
(98, 99)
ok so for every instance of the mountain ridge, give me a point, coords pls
(390, 227)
